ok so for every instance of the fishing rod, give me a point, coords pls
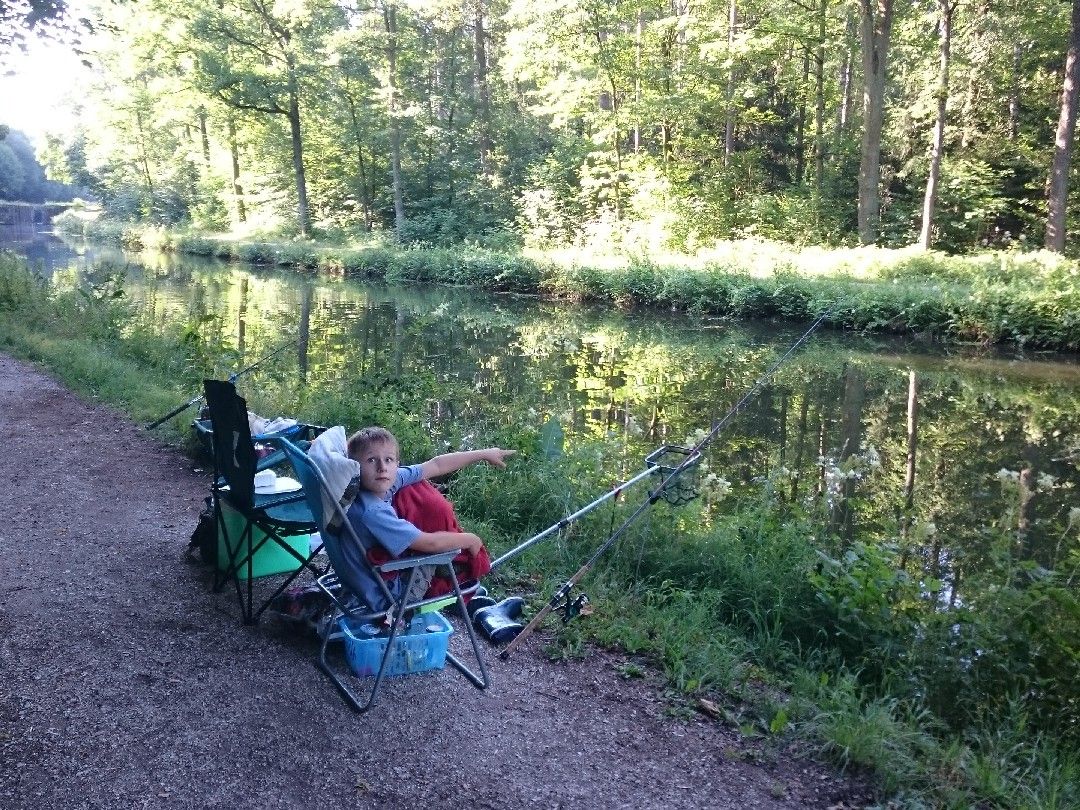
(691, 459)
(232, 378)
(566, 521)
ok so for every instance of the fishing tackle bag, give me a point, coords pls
(203, 542)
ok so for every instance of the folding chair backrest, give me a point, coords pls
(314, 485)
(310, 479)
(234, 452)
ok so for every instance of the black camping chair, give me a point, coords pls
(254, 529)
(344, 593)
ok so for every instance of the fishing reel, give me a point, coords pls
(571, 608)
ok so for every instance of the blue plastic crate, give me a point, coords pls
(420, 647)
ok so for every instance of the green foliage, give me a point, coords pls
(881, 733)
(22, 177)
(20, 291)
(679, 629)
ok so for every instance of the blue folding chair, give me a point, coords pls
(344, 593)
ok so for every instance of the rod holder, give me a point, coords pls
(683, 488)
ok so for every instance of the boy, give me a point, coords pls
(373, 517)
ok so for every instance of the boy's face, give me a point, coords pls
(378, 467)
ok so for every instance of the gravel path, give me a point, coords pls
(125, 682)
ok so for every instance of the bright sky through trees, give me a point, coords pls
(39, 89)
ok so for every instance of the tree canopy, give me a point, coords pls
(639, 125)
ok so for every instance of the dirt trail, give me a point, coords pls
(125, 682)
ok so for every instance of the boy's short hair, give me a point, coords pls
(364, 437)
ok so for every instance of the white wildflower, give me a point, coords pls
(715, 487)
(1046, 482)
(872, 456)
(694, 438)
(1005, 475)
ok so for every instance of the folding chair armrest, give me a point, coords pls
(270, 460)
(442, 558)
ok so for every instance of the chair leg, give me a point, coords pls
(247, 600)
(480, 681)
(232, 567)
(354, 703)
(305, 563)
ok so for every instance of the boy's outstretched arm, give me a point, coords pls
(432, 542)
(450, 462)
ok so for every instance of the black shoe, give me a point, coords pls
(478, 603)
(497, 623)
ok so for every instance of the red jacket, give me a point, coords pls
(429, 511)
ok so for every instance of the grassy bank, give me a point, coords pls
(752, 612)
(1031, 299)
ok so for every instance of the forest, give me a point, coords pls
(634, 126)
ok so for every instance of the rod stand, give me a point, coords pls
(683, 488)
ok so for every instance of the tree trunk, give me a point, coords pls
(238, 190)
(1029, 476)
(304, 329)
(361, 164)
(729, 95)
(483, 90)
(876, 27)
(851, 433)
(399, 341)
(819, 100)
(823, 435)
(800, 124)
(945, 10)
(796, 466)
(783, 426)
(204, 138)
(390, 19)
(843, 115)
(1058, 185)
(639, 33)
(912, 446)
(241, 321)
(975, 68)
(303, 218)
(1014, 92)
(144, 157)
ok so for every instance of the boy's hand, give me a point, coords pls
(472, 544)
(497, 457)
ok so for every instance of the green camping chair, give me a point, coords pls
(349, 612)
(259, 534)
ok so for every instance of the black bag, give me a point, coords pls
(204, 539)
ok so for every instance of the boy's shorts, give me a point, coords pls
(420, 584)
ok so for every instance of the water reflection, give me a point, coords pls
(927, 445)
